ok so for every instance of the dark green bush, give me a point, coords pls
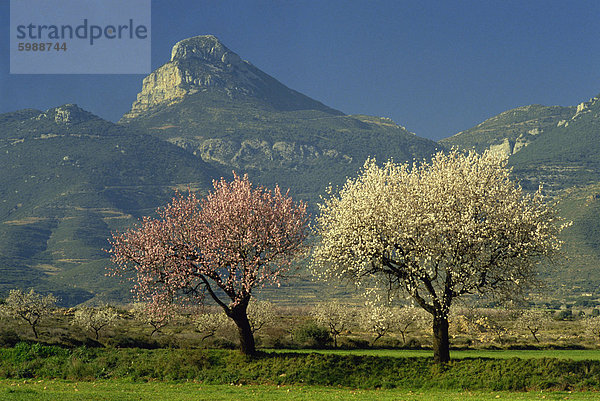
(356, 343)
(566, 314)
(223, 343)
(313, 336)
(9, 338)
(413, 343)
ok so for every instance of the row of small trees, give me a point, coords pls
(32, 308)
(335, 317)
(434, 232)
(483, 324)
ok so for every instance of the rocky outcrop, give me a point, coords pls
(586, 107)
(258, 153)
(67, 114)
(203, 63)
(508, 147)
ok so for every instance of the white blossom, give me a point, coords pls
(436, 231)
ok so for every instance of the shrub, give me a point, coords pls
(9, 338)
(313, 336)
(223, 343)
(566, 314)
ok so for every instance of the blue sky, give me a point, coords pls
(435, 67)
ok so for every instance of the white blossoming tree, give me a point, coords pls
(29, 306)
(378, 320)
(95, 319)
(333, 315)
(146, 313)
(208, 324)
(260, 314)
(409, 318)
(436, 231)
(533, 321)
(381, 320)
(592, 326)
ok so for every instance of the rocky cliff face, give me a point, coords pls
(591, 106)
(258, 153)
(203, 63)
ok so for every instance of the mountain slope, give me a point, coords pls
(579, 273)
(566, 155)
(68, 179)
(512, 130)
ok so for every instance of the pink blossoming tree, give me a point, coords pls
(238, 237)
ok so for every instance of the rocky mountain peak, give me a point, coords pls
(203, 63)
(205, 48)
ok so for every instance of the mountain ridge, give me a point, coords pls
(70, 177)
(510, 131)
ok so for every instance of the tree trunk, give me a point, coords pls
(35, 333)
(441, 342)
(376, 338)
(240, 317)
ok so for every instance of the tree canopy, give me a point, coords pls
(436, 231)
(236, 238)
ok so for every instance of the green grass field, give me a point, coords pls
(38, 372)
(46, 390)
(576, 355)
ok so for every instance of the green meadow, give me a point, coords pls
(114, 390)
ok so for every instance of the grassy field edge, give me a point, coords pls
(28, 361)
